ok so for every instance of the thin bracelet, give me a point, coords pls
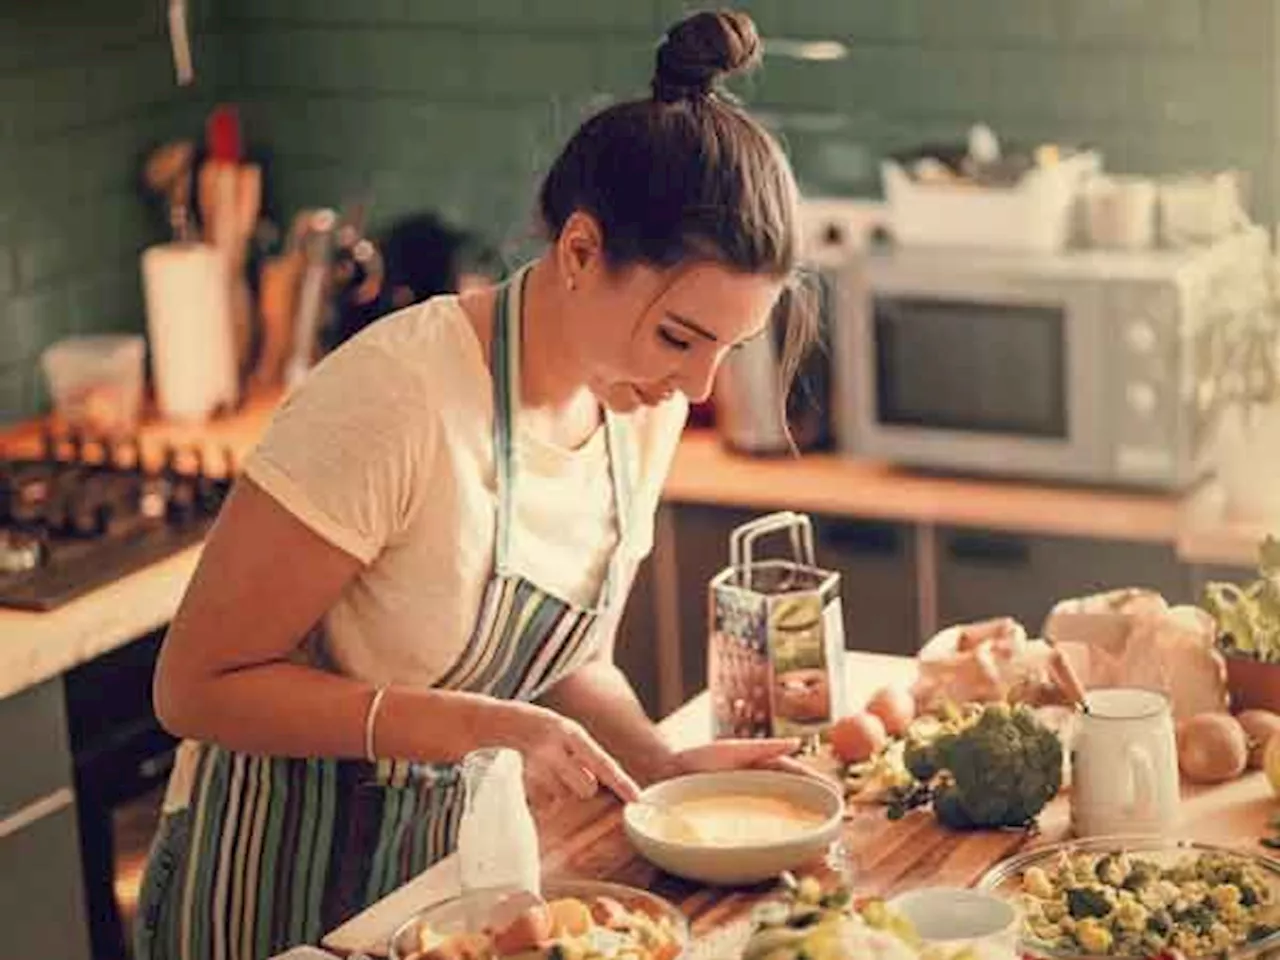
(369, 720)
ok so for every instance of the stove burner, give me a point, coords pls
(86, 511)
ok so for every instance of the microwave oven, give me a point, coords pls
(1086, 366)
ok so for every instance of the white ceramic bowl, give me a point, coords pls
(741, 863)
(955, 918)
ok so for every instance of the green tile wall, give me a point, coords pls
(86, 88)
(460, 106)
(420, 103)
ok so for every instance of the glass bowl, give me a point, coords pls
(453, 915)
(1006, 878)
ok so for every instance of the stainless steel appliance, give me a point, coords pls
(1087, 366)
(749, 409)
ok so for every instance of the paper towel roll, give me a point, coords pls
(189, 326)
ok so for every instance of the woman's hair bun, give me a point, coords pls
(700, 51)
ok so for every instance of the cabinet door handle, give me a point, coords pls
(37, 810)
(868, 539)
(989, 550)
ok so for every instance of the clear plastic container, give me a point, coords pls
(96, 381)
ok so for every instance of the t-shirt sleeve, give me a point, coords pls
(345, 452)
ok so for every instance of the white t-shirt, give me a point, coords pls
(386, 451)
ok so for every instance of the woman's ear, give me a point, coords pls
(580, 249)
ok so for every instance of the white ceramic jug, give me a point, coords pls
(1124, 765)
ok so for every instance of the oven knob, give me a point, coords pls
(1141, 337)
(1142, 398)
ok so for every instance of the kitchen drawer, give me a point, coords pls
(41, 891)
(34, 750)
(983, 573)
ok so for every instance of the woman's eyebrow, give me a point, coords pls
(692, 325)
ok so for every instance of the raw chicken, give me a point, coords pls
(983, 662)
(1133, 638)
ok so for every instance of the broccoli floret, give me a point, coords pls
(998, 771)
(1087, 902)
(1141, 874)
(921, 759)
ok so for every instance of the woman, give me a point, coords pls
(428, 552)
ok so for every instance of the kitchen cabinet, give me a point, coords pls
(635, 647)
(983, 573)
(876, 562)
(42, 909)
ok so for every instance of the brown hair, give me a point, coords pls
(687, 173)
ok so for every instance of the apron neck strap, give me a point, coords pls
(504, 364)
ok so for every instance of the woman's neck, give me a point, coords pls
(552, 378)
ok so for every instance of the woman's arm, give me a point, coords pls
(600, 697)
(263, 581)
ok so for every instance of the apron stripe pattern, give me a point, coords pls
(271, 852)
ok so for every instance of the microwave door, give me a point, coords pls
(986, 378)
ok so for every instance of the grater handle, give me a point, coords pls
(742, 540)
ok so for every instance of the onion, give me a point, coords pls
(1212, 747)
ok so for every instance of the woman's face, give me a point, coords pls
(645, 333)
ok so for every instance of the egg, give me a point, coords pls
(858, 737)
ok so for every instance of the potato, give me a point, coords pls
(1212, 748)
(1259, 727)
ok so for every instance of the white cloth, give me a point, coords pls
(386, 451)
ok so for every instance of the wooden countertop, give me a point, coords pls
(34, 647)
(586, 840)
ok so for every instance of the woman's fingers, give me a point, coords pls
(576, 778)
(601, 765)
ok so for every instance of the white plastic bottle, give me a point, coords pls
(497, 839)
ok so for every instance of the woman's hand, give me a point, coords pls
(561, 759)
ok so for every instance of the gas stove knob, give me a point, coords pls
(182, 505)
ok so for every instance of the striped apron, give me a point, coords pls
(271, 852)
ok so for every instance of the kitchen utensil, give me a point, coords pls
(751, 861)
(180, 42)
(96, 381)
(278, 291)
(953, 919)
(451, 916)
(776, 637)
(168, 173)
(1125, 765)
(230, 194)
(1068, 681)
(1006, 878)
(317, 244)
